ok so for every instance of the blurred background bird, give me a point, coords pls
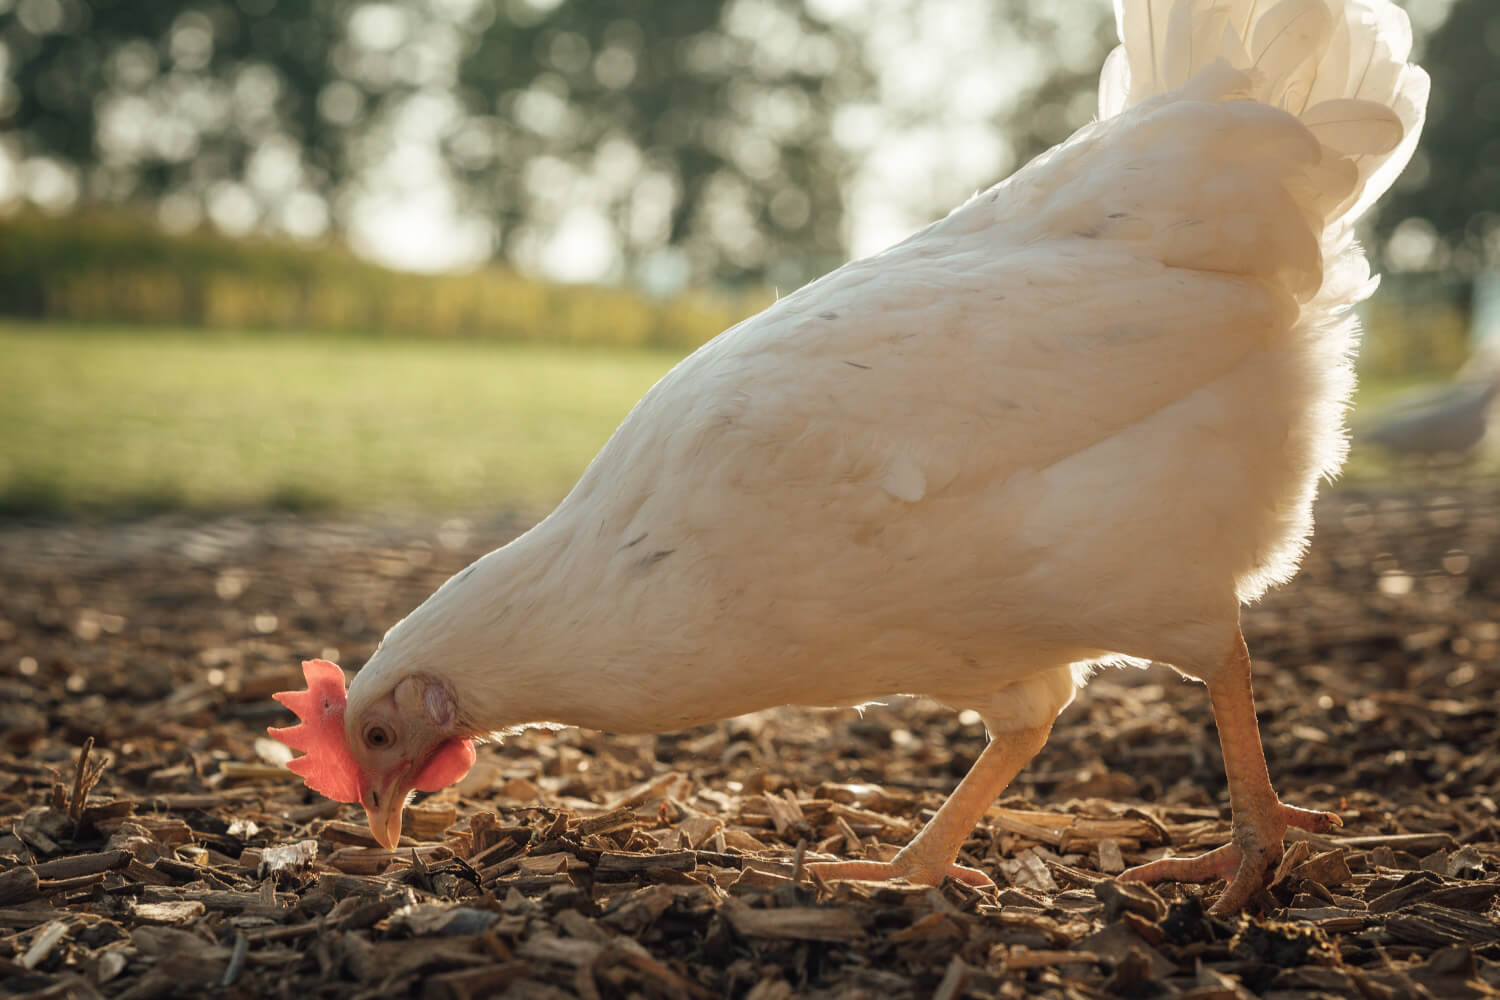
(1449, 422)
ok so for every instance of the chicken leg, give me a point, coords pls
(932, 855)
(1260, 820)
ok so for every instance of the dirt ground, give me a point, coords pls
(176, 857)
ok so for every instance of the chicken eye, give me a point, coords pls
(378, 737)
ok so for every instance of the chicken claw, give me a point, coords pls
(1247, 862)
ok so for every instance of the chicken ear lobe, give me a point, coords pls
(326, 765)
(439, 704)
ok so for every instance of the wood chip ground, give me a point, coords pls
(152, 845)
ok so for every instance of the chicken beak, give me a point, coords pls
(383, 810)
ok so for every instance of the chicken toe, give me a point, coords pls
(1247, 862)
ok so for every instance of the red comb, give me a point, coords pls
(326, 764)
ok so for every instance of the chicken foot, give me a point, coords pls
(933, 854)
(1260, 819)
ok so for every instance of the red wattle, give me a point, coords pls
(449, 763)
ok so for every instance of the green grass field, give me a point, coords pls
(124, 420)
(121, 420)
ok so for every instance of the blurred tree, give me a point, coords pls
(668, 141)
(665, 142)
(699, 133)
(199, 103)
(1444, 211)
(1065, 98)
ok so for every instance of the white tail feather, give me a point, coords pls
(1338, 65)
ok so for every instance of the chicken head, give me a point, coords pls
(402, 741)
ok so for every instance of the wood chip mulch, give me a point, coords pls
(151, 844)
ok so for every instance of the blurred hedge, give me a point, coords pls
(119, 269)
(1417, 325)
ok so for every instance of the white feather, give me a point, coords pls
(1354, 127)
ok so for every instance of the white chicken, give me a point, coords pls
(1079, 420)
